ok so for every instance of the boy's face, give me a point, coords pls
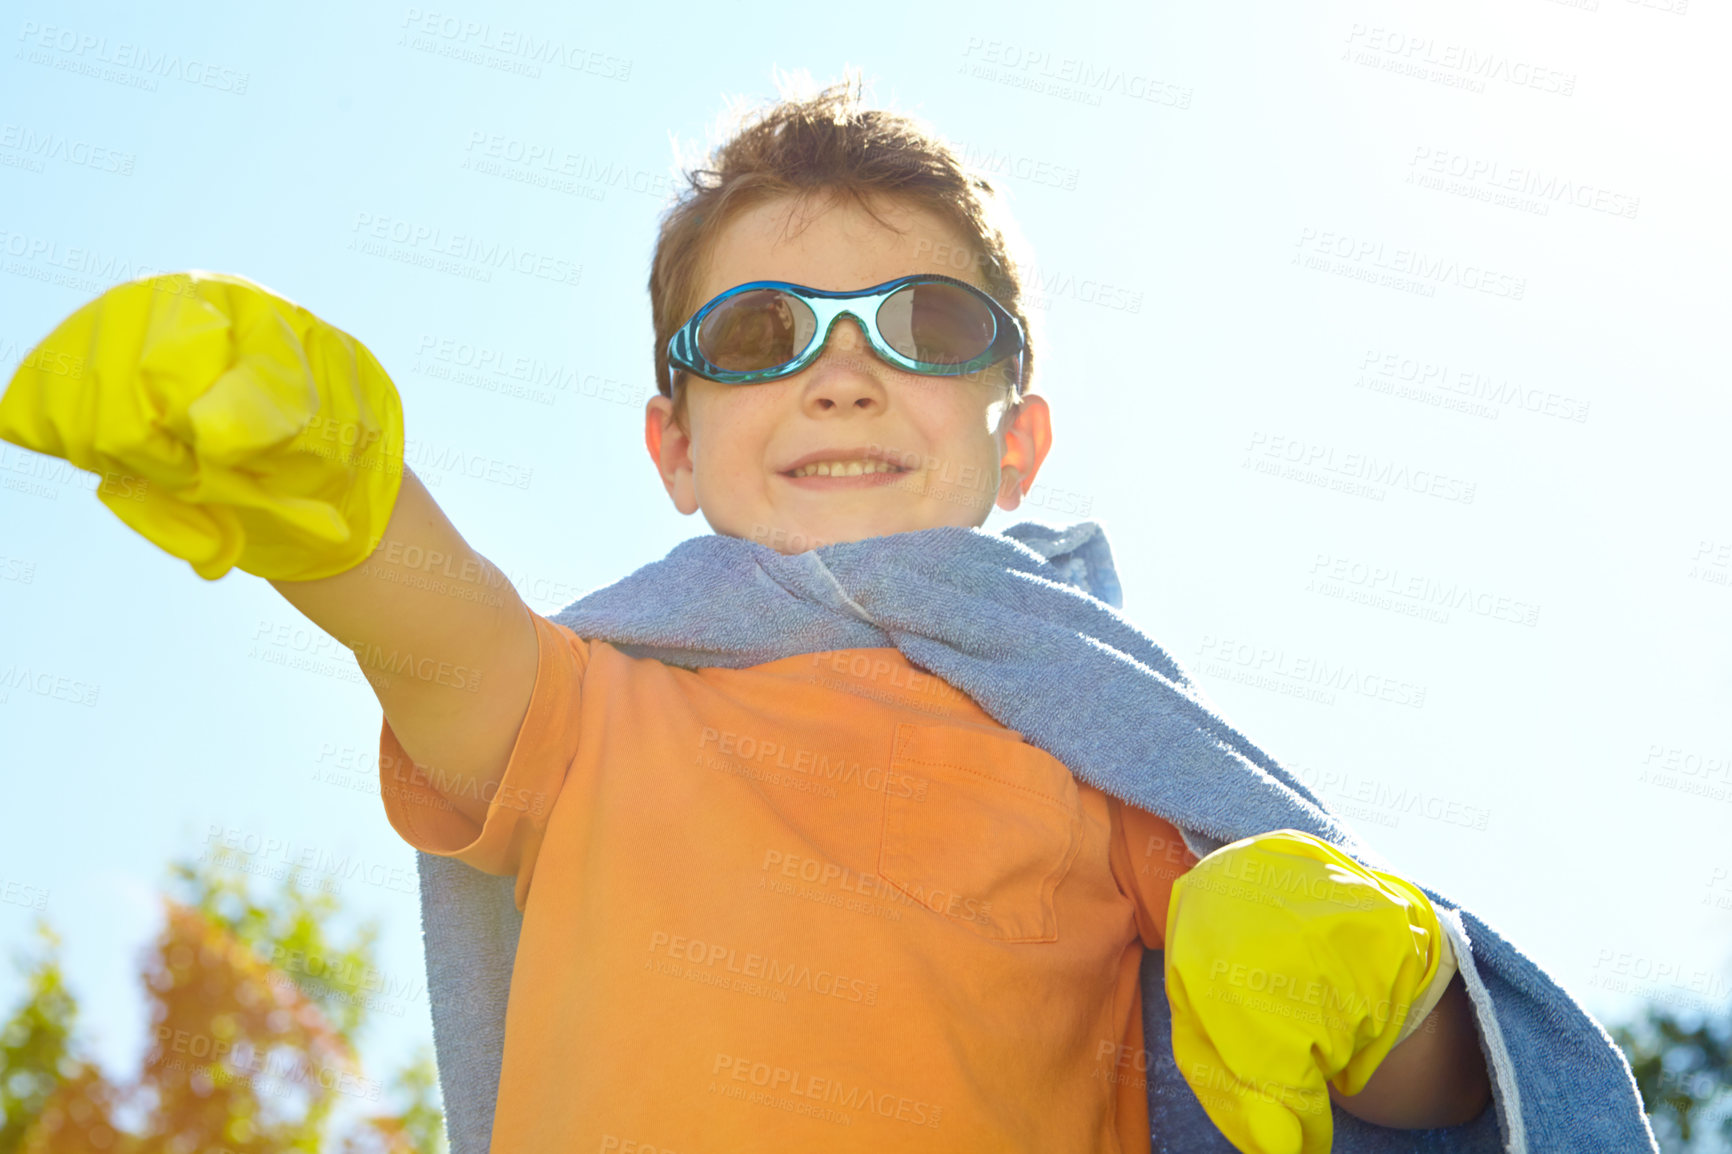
(961, 447)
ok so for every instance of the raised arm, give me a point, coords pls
(445, 641)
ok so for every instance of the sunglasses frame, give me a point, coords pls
(1008, 339)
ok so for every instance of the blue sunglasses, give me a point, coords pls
(764, 330)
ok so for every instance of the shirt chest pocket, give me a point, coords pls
(985, 831)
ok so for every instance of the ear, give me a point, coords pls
(1027, 437)
(671, 450)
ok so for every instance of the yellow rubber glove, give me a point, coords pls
(1289, 966)
(254, 434)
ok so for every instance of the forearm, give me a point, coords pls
(444, 640)
(422, 588)
(1436, 1077)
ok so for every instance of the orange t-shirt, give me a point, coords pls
(823, 903)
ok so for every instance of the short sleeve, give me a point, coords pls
(507, 842)
(1148, 855)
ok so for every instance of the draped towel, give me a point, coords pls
(1026, 623)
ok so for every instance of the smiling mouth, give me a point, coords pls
(854, 468)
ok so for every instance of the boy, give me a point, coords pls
(823, 901)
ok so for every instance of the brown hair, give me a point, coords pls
(827, 142)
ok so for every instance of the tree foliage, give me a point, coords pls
(254, 1011)
(35, 1045)
(1683, 1069)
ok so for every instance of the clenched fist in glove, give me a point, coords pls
(1290, 967)
(266, 439)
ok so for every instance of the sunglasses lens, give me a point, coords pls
(940, 324)
(756, 330)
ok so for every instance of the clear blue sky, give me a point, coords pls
(1314, 277)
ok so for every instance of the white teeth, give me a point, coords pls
(844, 468)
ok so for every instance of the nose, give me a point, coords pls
(844, 378)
